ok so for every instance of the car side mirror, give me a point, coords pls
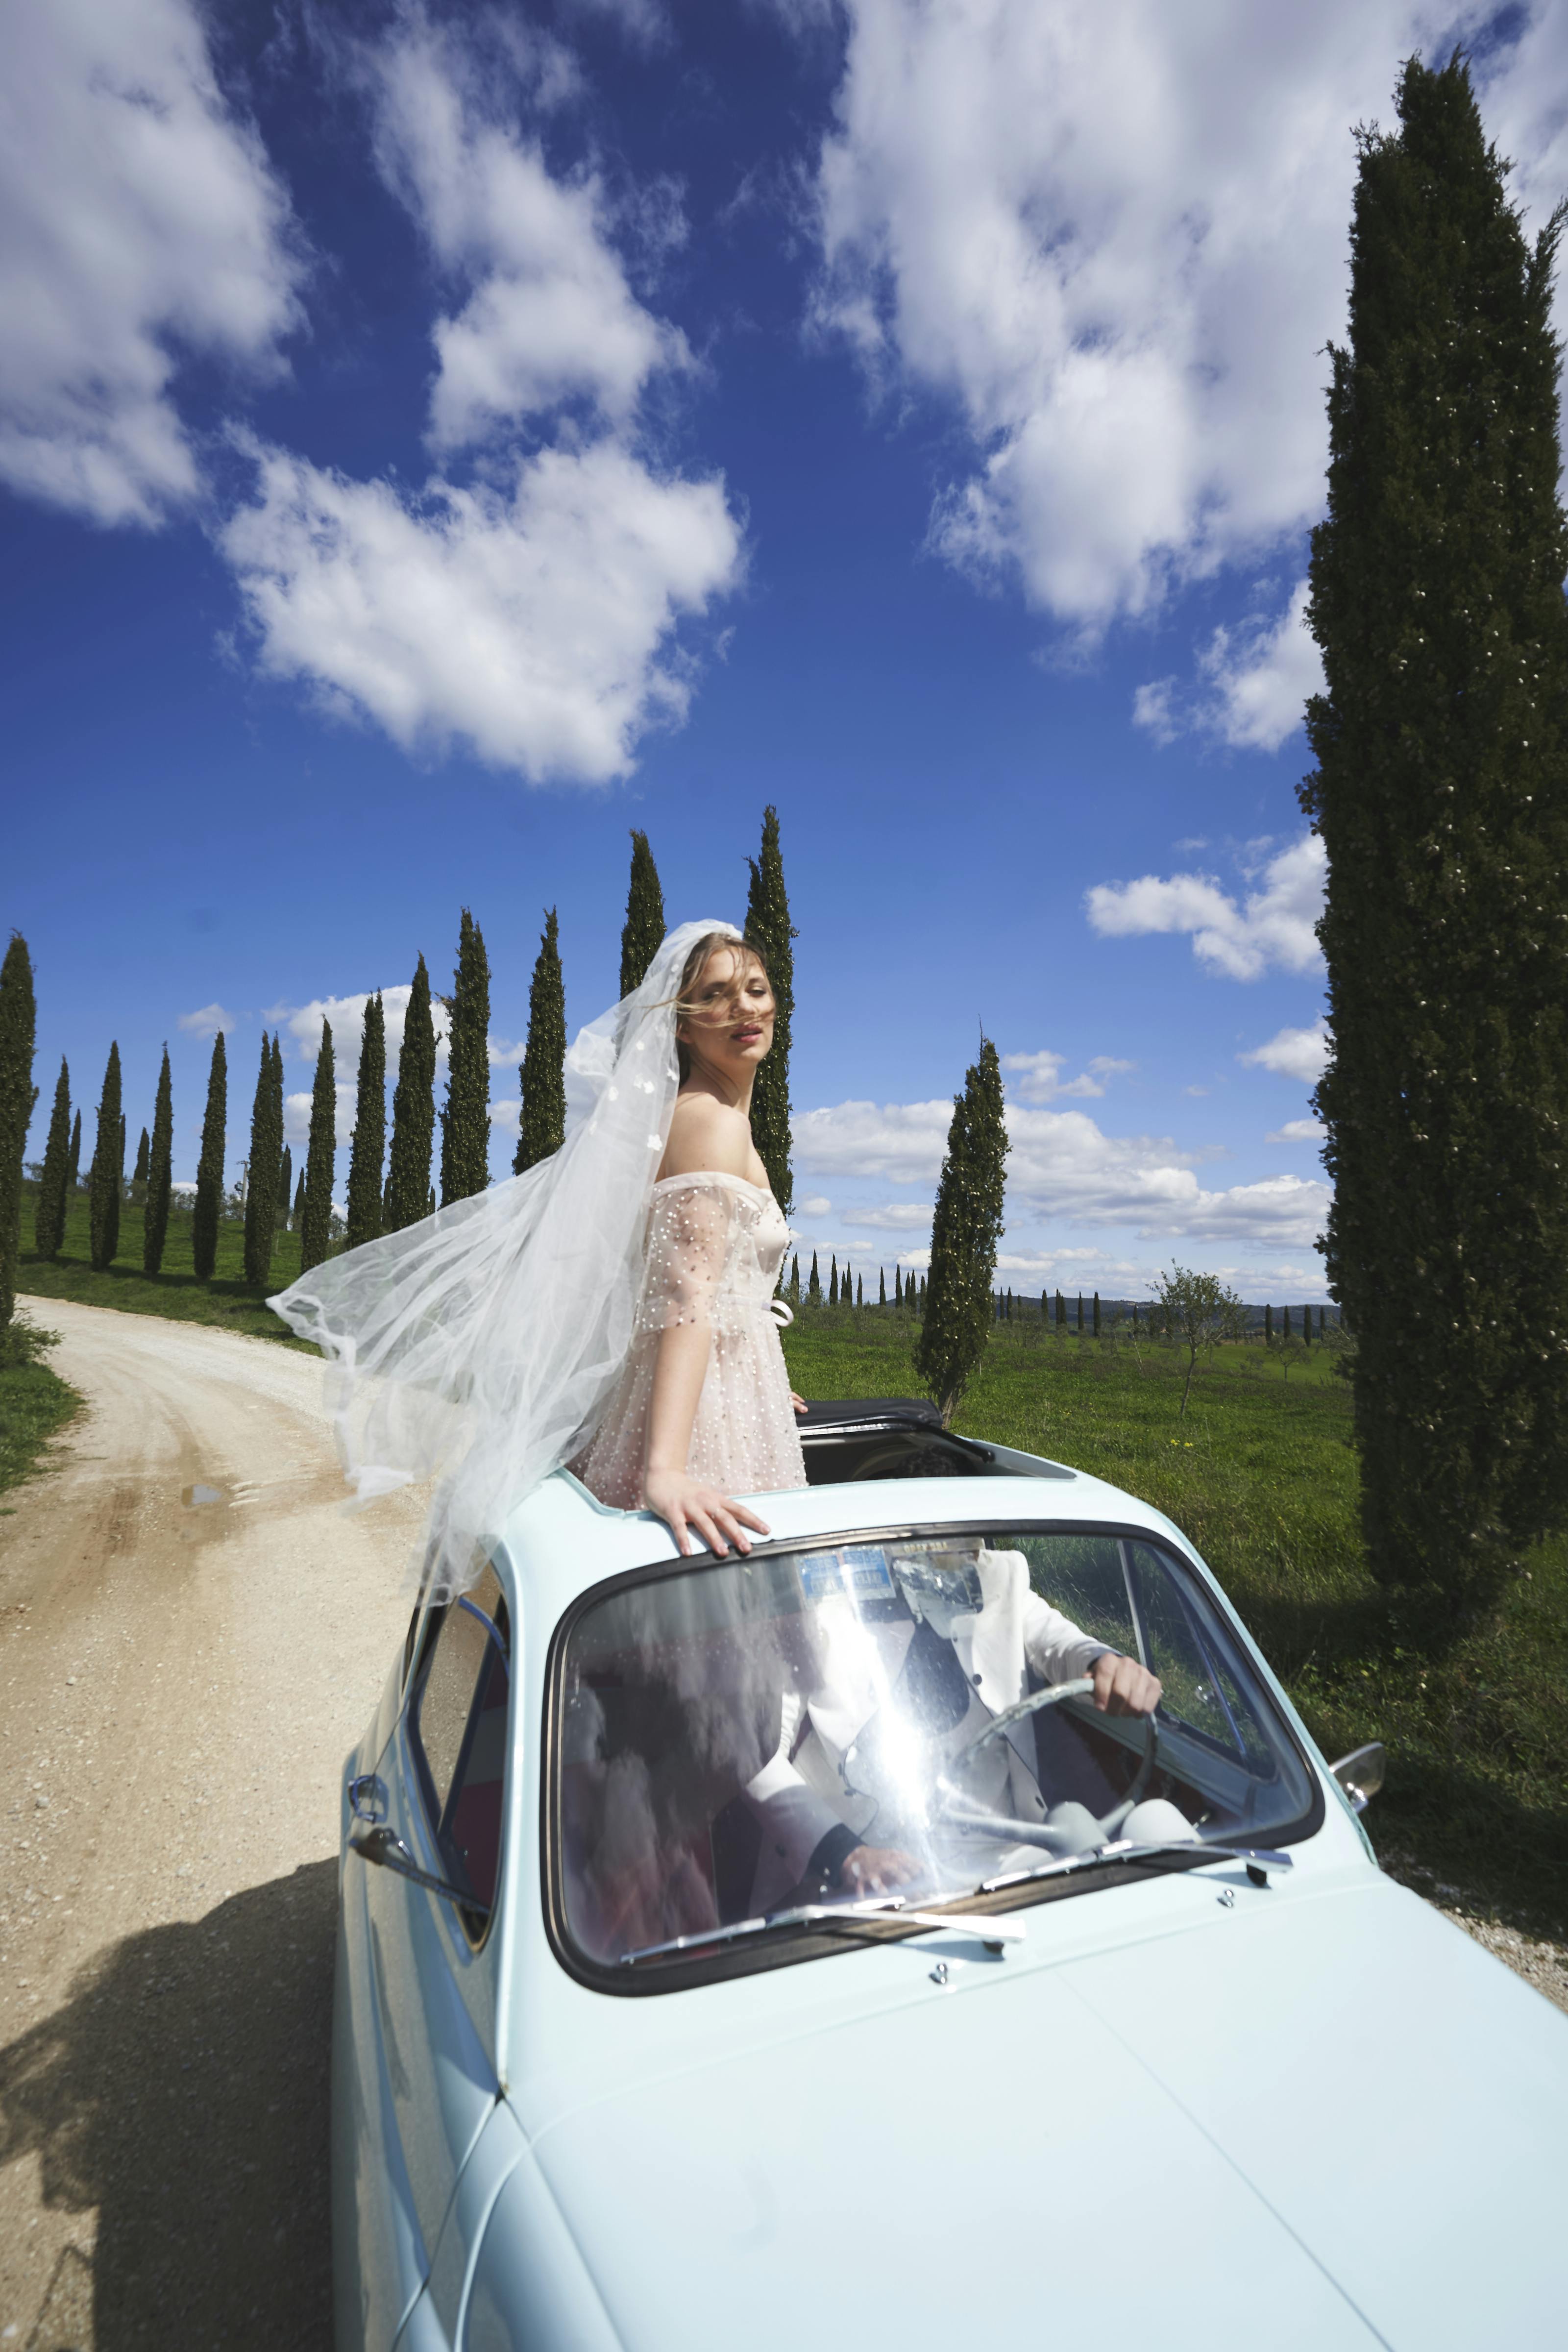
(1360, 1774)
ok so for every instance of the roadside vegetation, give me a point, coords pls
(176, 1290)
(35, 1402)
(1261, 1474)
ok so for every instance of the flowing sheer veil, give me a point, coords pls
(483, 1343)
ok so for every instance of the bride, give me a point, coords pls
(611, 1309)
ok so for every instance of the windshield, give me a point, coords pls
(901, 1721)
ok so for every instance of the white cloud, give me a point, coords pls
(139, 220)
(1061, 1166)
(892, 1217)
(531, 623)
(208, 1021)
(815, 1207)
(297, 1114)
(1273, 925)
(507, 1114)
(302, 1024)
(1298, 1131)
(1039, 1078)
(550, 317)
(1256, 676)
(1112, 234)
(1293, 1054)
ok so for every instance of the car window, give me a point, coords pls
(459, 1721)
(728, 1737)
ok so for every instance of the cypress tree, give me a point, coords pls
(897, 1287)
(1080, 1315)
(1061, 1312)
(18, 1021)
(209, 1167)
(845, 1291)
(466, 1121)
(1307, 1325)
(642, 933)
(965, 1230)
(859, 1290)
(160, 1173)
(298, 1200)
(770, 931)
(49, 1216)
(413, 1113)
(1441, 796)
(73, 1170)
(814, 1287)
(1268, 1327)
(139, 1173)
(108, 1166)
(794, 1281)
(881, 1285)
(543, 1127)
(368, 1150)
(321, 1163)
(285, 1187)
(266, 1150)
(833, 1282)
(1097, 1314)
(1285, 1327)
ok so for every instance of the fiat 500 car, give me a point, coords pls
(788, 1949)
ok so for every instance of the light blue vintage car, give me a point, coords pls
(1136, 2045)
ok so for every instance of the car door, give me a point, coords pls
(430, 1960)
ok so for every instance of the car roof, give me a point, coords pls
(562, 1540)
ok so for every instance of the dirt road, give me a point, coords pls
(191, 1636)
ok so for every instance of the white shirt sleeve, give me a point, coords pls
(1056, 1649)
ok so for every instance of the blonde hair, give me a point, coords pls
(748, 958)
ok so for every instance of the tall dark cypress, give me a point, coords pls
(1268, 1327)
(160, 1173)
(965, 1231)
(18, 1021)
(413, 1112)
(108, 1166)
(300, 1200)
(543, 1127)
(897, 1287)
(266, 1152)
(1097, 1314)
(208, 1205)
(73, 1170)
(139, 1173)
(833, 1281)
(770, 931)
(1061, 1312)
(1441, 795)
(466, 1121)
(881, 1285)
(285, 1187)
(49, 1215)
(368, 1151)
(642, 933)
(320, 1164)
(814, 1287)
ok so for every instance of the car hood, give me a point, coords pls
(1324, 2120)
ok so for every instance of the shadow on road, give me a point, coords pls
(182, 2090)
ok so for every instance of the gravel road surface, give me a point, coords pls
(191, 1638)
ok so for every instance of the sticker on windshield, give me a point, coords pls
(858, 1569)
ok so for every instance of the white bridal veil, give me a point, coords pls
(484, 1342)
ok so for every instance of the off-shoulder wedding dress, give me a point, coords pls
(715, 1244)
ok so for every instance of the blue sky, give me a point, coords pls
(436, 441)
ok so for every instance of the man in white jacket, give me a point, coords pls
(822, 1804)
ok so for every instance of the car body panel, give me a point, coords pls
(1187, 2101)
(1001, 2162)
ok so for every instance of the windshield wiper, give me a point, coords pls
(1259, 1860)
(862, 1918)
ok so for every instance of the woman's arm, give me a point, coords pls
(679, 1370)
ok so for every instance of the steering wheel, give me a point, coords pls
(958, 1813)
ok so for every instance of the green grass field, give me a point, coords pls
(35, 1402)
(1262, 1475)
(226, 1300)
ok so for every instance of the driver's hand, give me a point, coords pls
(1122, 1687)
(876, 1870)
(798, 1401)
